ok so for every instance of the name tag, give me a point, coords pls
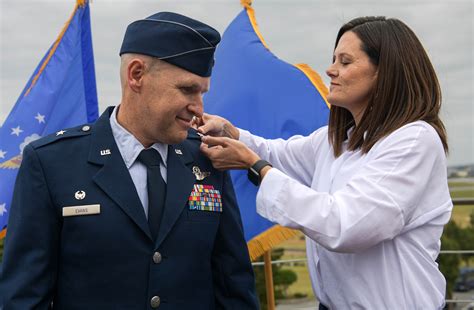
(81, 210)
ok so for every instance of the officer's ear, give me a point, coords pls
(135, 71)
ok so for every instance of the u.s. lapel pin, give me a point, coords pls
(105, 152)
(60, 133)
(178, 151)
(79, 195)
(200, 175)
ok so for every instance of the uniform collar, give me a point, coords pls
(128, 145)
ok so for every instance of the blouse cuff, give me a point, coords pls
(268, 196)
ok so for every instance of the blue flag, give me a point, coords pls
(61, 93)
(257, 91)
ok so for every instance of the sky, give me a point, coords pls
(297, 31)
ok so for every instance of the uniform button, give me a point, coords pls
(155, 302)
(157, 257)
(86, 128)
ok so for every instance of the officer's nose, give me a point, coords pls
(197, 107)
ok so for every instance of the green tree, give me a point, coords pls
(282, 279)
(449, 263)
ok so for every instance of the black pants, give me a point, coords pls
(323, 307)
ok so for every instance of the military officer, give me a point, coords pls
(126, 213)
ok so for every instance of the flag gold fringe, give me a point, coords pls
(3, 233)
(312, 75)
(247, 4)
(315, 78)
(79, 3)
(269, 239)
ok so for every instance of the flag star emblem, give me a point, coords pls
(2, 153)
(60, 133)
(3, 208)
(16, 131)
(40, 118)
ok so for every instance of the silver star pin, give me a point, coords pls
(200, 175)
(178, 151)
(60, 133)
(79, 195)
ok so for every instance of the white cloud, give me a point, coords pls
(27, 140)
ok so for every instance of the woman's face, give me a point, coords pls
(352, 76)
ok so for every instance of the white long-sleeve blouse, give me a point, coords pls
(373, 221)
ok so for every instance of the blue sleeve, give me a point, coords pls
(29, 268)
(234, 281)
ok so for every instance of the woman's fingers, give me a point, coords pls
(226, 153)
(213, 141)
(211, 124)
(217, 126)
(196, 122)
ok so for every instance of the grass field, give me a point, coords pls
(461, 213)
(295, 248)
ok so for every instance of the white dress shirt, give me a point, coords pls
(373, 221)
(130, 148)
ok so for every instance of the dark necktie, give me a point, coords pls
(156, 187)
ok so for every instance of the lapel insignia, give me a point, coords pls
(200, 175)
(60, 133)
(178, 151)
(205, 198)
(79, 195)
(105, 152)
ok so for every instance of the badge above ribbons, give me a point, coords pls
(284, 99)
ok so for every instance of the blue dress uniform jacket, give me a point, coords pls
(108, 260)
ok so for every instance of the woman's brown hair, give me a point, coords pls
(406, 89)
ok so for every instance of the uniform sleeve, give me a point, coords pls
(373, 206)
(295, 157)
(234, 282)
(29, 266)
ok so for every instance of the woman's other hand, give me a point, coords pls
(226, 153)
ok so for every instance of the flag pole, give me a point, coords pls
(267, 257)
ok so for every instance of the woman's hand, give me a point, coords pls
(216, 126)
(226, 153)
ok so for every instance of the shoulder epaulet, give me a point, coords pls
(62, 134)
(193, 134)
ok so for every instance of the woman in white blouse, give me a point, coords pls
(370, 190)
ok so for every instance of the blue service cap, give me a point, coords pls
(174, 38)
